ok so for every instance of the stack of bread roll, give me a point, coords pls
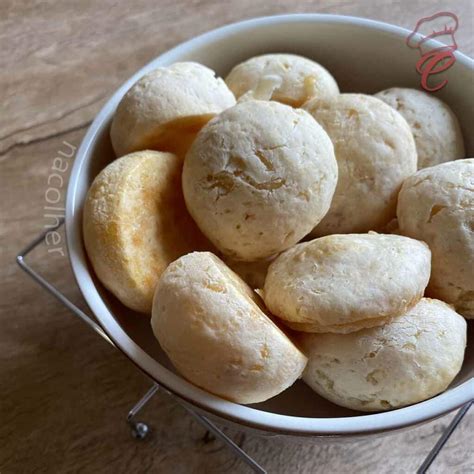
(275, 228)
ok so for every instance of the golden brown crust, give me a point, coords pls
(135, 223)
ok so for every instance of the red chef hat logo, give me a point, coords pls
(442, 26)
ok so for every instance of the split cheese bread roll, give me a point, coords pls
(214, 329)
(135, 223)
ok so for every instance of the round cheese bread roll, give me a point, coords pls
(437, 205)
(436, 129)
(408, 360)
(135, 223)
(375, 152)
(214, 329)
(343, 283)
(300, 78)
(167, 107)
(258, 178)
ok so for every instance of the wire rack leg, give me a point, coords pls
(444, 438)
(235, 448)
(140, 429)
(20, 259)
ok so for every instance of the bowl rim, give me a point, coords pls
(178, 386)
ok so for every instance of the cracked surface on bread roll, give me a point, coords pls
(300, 78)
(343, 283)
(213, 328)
(135, 223)
(258, 178)
(437, 205)
(375, 152)
(410, 359)
(167, 107)
(436, 129)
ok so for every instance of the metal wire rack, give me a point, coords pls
(140, 429)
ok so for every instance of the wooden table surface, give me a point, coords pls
(64, 392)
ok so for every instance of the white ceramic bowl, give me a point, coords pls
(364, 56)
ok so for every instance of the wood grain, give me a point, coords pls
(64, 392)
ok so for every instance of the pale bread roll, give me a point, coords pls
(167, 107)
(410, 359)
(135, 223)
(258, 178)
(436, 129)
(343, 283)
(299, 78)
(375, 152)
(213, 328)
(437, 205)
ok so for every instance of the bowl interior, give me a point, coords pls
(364, 57)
